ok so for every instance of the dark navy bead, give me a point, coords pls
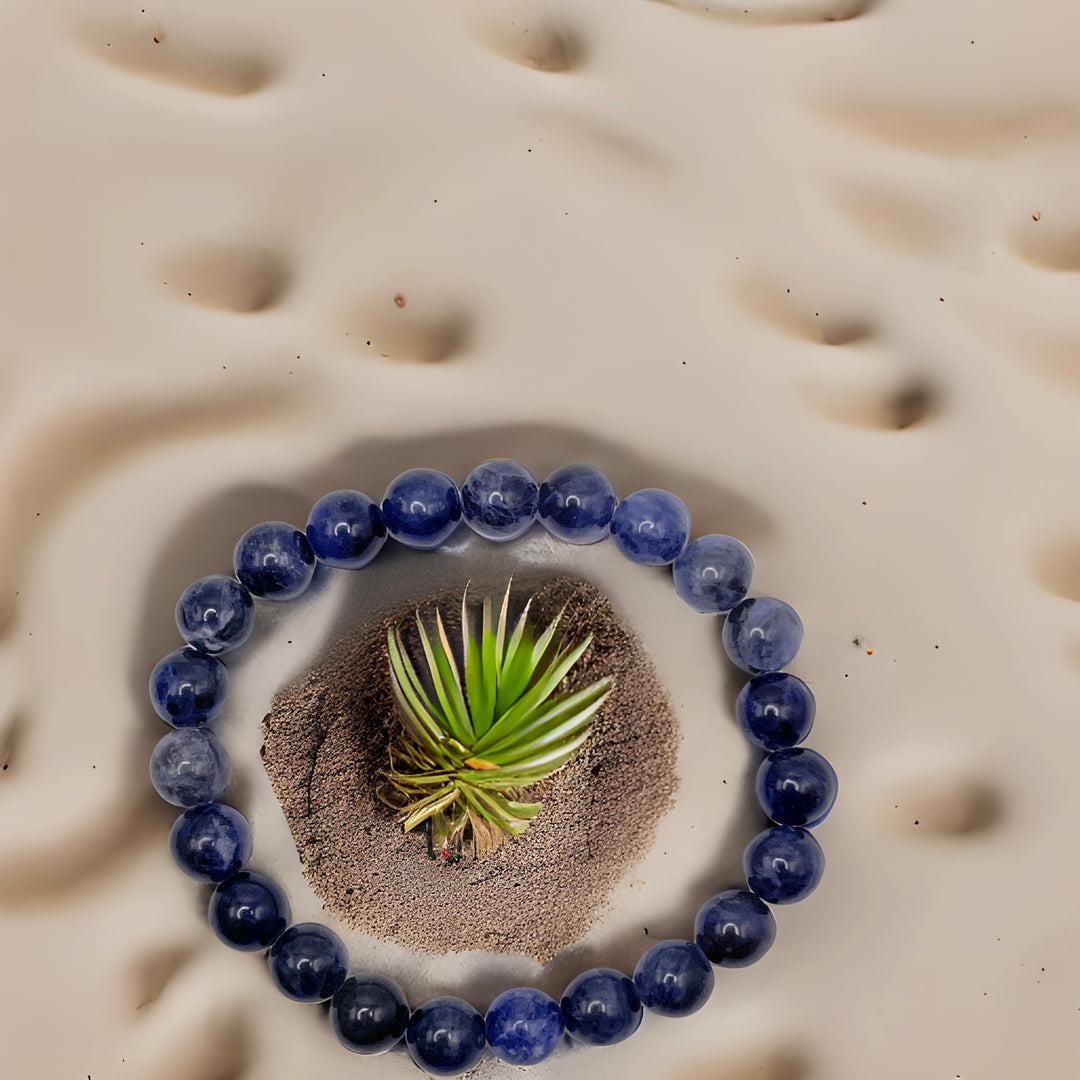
(713, 573)
(189, 766)
(499, 499)
(215, 614)
(369, 1014)
(188, 688)
(274, 560)
(309, 962)
(674, 978)
(651, 526)
(577, 503)
(796, 787)
(775, 711)
(421, 508)
(249, 911)
(446, 1036)
(601, 1006)
(762, 634)
(524, 1026)
(734, 928)
(210, 842)
(345, 529)
(783, 864)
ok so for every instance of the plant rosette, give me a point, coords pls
(477, 727)
(468, 746)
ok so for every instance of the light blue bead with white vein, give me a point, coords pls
(499, 499)
(651, 526)
(189, 766)
(215, 614)
(762, 634)
(713, 573)
(524, 1026)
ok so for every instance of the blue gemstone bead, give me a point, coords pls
(651, 526)
(734, 928)
(796, 787)
(674, 978)
(215, 614)
(188, 688)
(369, 1014)
(577, 503)
(783, 864)
(713, 573)
(762, 634)
(274, 560)
(421, 508)
(499, 499)
(345, 529)
(309, 962)
(446, 1036)
(524, 1026)
(601, 1006)
(249, 911)
(210, 842)
(775, 711)
(189, 766)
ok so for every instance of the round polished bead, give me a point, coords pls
(713, 573)
(499, 499)
(734, 928)
(775, 711)
(421, 508)
(215, 614)
(783, 864)
(445, 1036)
(248, 911)
(762, 634)
(524, 1026)
(274, 560)
(796, 787)
(651, 526)
(345, 529)
(210, 842)
(577, 503)
(369, 1014)
(188, 688)
(308, 962)
(674, 978)
(601, 1006)
(189, 766)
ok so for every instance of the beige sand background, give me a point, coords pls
(813, 264)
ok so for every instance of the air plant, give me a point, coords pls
(467, 747)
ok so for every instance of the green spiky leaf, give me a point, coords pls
(478, 727)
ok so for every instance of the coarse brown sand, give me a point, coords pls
(326, 739)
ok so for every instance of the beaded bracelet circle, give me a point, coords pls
(499, 500)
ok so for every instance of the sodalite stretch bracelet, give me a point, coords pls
(500, 500)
